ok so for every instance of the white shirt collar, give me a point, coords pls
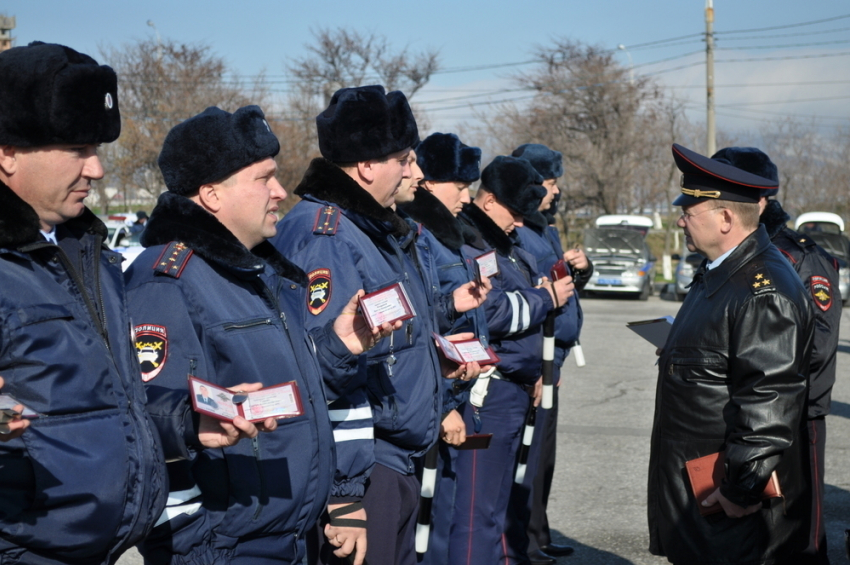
(50, 236)
(716, 262)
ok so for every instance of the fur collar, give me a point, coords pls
(431, 213)
(492, 234)
(774, 218)
(20, 226)
(177, 218)
(326, 181)
(537, 221)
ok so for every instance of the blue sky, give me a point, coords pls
(797, 80)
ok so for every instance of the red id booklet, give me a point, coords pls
(466, 351)
(389, 304)
(278, 401)
(706, 475)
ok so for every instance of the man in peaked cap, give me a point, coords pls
(515, 310)
(733, 380)
(214, 299)
(83, 479)
(819, 272)
(345, 234)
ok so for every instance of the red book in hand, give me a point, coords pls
(706, 475)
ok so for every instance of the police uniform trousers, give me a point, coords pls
(526, 498)
(442, 506)
(484, 476)
(538, 524)
(817, 443)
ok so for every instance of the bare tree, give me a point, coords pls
(160, 84)
(346, 58)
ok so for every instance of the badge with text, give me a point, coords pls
(389, 304)
(821, 292)
(278, 401)
(559, 270)
(466, 351)
(318, 290)
(486, 265)
(151, 349)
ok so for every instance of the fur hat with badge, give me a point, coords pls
(515, 183)
(365, 123)
(547, 162)
(443, 158)
(213, 145)
(51, 94)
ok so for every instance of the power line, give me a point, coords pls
(784, 46)
(813, 22)
(763, 84)
(767, 103)
(798, 34)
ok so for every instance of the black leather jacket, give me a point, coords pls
(733, 377)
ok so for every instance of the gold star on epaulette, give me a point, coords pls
(756, 284)
(765, 282)
(759, 276)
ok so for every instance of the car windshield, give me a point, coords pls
(613, 241)
(833, 243)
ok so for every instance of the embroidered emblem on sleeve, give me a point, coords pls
(318, 290)
(151, 349)
(821, 292)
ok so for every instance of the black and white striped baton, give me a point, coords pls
(527, 436)
(426, 496)
(548, 360)
(578, 353)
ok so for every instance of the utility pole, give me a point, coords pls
(711, 138)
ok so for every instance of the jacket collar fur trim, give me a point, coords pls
(177, 218)
(20, 226)
(537, 221)
(326, 181)
(431, 213)
(774, 218)
(490, 232)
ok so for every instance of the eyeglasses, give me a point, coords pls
(687, 215)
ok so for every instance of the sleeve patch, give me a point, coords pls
(151, 349)
(821, 292)
(327, 219)
(318, 290)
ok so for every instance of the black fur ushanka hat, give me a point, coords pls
(547, 162)
(214, 144)
(515, 183)
(365, 123)
(443, 158)
(51, 94)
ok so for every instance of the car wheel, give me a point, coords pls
(680, 297)
(647, 290)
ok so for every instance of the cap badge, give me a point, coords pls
(107, 101)
(265, 123)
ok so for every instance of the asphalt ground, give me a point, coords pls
(598, 500)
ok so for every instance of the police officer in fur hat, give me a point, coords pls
(515, 311)
(345, 234)
(83, 475)
(732, 381)
(819, 272)
(212, 298)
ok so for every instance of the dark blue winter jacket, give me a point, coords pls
(514, 309)
(542, 242)
(439, 245)
(346, 241)
(86, 481)
(211, 308)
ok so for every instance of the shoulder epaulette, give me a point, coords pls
(173, 259)
(760, 280)
(327, 219)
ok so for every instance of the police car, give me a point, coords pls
(622, 261)
(121, 239)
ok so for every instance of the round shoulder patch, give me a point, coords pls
(821, 292)
(318, 290)
(152, 349)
